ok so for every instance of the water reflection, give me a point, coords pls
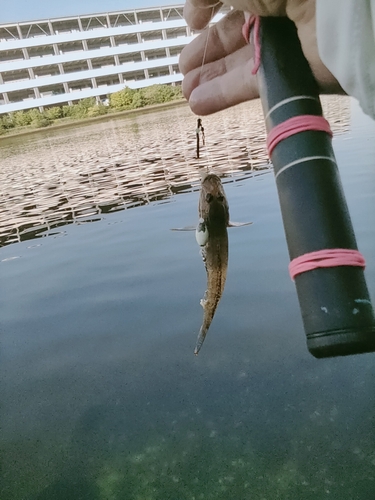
(102, 396)
(77, 174)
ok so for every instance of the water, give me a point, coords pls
(102, 397)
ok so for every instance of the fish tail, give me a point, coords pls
(201, 336)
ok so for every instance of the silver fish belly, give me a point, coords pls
(212, 232)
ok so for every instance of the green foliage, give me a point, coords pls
(6, 123)
(86, 108)
(22, 118)
(54, 113)
(80, 110)
(137, 98)
(158, 94)
(97, 110)
(151, 95)
(31, 117)
(122, 99)
(66, 111)
(40, 121)
(87, 103)
(34, 115)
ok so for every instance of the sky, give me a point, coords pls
(29, 10)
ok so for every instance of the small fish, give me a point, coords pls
(212, 235)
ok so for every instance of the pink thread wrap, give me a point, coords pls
(294, 125)
(322, 258)
(325, 258)
(332, 257)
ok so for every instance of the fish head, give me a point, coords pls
(213, 204)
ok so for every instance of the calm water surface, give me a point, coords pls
(102, 397)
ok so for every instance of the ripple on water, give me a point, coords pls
(73, 174)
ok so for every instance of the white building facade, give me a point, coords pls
(60, 61)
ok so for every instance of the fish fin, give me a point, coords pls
(200, 340)
(201, 233)
(203, 301)
(187, 228)
(238, 224)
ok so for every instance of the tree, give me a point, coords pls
(122, 99)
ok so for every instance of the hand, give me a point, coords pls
(225, 77)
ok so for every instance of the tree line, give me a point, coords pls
(123, 100)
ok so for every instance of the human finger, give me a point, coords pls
(209, 71)
(216, 42)
(262, 7)
(198, 13)
(222, 83)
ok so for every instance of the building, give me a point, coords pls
(59, 61)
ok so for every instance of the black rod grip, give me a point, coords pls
(335, 304)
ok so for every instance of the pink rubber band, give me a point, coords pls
(332, 257)
(294, 125)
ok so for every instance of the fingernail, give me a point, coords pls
(198, 95)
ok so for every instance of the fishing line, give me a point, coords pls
(201, 70)
(204, 55)
(208, 35)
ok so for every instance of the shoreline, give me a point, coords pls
(70, 122)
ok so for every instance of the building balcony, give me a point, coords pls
(26, 99)
(89, 35)
(87, 74)
(81, 55)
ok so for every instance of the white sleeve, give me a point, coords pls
(346, 44)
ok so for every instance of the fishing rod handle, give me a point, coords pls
(335, 304)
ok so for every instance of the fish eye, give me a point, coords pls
(209, 197)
